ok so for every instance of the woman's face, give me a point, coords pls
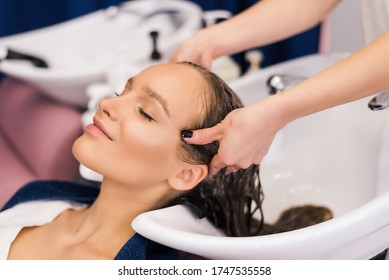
(135, 138)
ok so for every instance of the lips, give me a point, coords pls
(99, 125)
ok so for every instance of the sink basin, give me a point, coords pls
(80, 51)
(336, 158)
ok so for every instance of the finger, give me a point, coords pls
(178, 58)
(228, 170)
(216, 164)
(205, 136)
(173, 58)
(206, 61)
(176, 55)
(231, 169)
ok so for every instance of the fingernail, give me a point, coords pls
(186, 134)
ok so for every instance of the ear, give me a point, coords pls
(188, 177)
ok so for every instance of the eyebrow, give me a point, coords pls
(152, 93)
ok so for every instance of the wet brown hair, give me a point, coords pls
(233, 202)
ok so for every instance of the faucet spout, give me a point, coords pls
(380, 101)
(280, 82)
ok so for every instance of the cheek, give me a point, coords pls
(148, 144)
(147, 151)
(144, 153)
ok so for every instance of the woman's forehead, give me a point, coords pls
(176, 82)
(183, 87)
(179, 73)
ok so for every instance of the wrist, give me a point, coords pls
(279, 111)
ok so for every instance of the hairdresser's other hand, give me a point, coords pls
(245, 136)
(196, 50)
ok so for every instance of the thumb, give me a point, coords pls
(173, 58)
(204, 136)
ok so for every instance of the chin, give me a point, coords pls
(83, 153)
(89, 155)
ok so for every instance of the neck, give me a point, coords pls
(102, 229)
(117, 205)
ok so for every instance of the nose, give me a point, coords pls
(109, 108)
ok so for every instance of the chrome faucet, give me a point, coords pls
(380, 101)
(280, 82)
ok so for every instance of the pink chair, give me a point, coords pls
(36, 137)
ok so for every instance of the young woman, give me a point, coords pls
(135, 141)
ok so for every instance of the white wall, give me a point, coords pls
(345, 27)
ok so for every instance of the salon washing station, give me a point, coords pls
(338, 158)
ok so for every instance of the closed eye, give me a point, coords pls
(145, 115)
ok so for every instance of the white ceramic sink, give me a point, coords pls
(80, 51)
(337, 158)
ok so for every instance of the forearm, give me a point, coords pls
(361, 74)
(265, 22)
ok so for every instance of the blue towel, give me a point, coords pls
(136, 248)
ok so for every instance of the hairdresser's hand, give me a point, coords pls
(196, 49)
(245, 136)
